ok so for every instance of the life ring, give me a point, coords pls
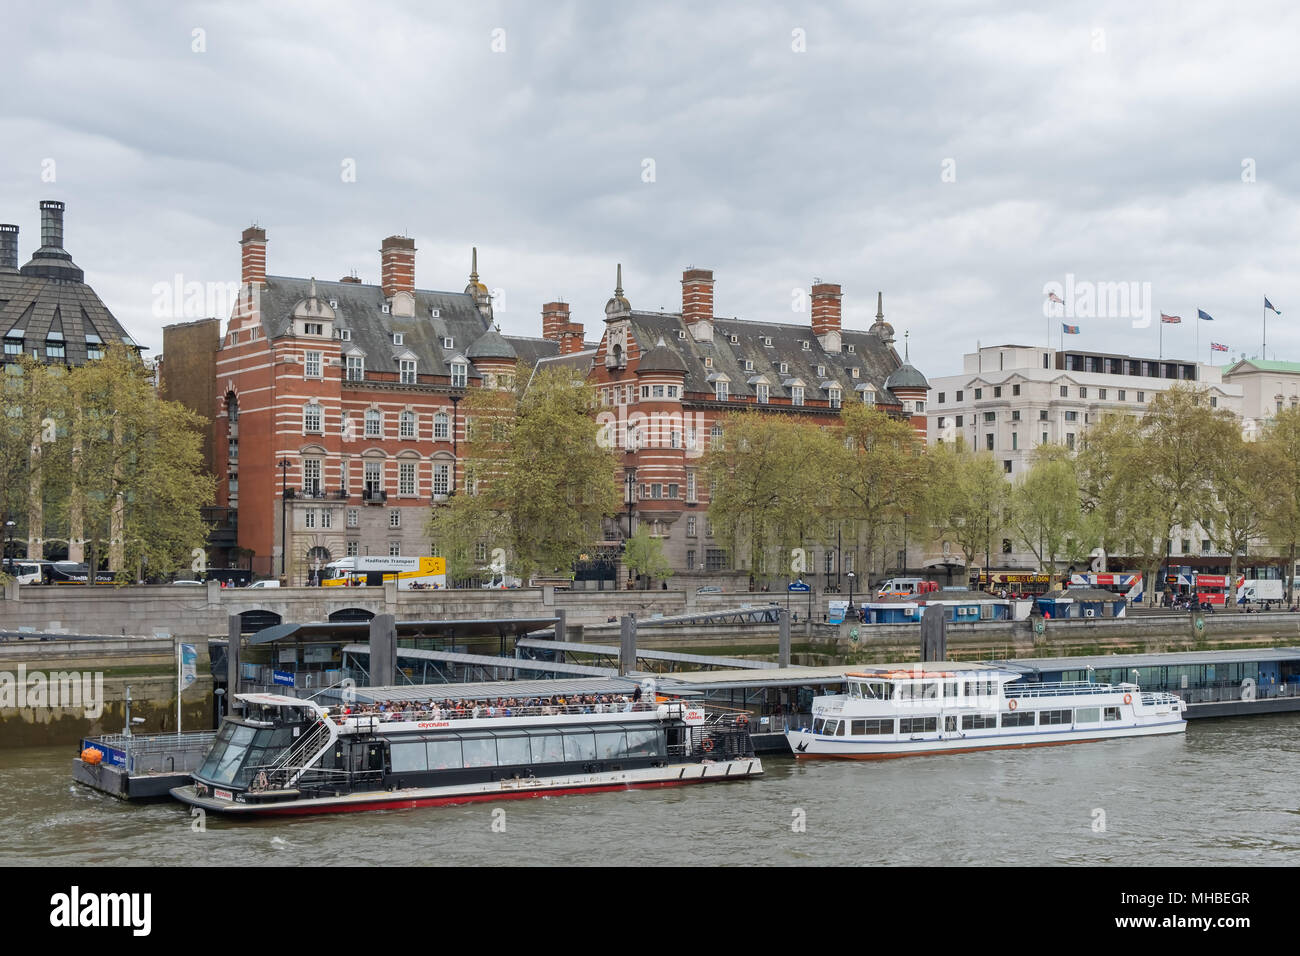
(1011, 705)
(707, 746)
(1128, 698)
(742, 719)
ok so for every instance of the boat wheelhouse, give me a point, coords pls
(939, 708)
(288, 755)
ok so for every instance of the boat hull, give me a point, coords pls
(510, 789)
(806, 745)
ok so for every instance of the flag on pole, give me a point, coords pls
(1069, 329)
(189, 661)
(1170, 319)
(1053, 297)
(1216, 347)
(1269, 305)
(1201, 314)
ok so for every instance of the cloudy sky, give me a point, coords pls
(959, 158)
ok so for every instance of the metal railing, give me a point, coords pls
(157, 753)
(1063, 689)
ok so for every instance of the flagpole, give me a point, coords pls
(1161, 356)
(1264, 345)
(178, 688)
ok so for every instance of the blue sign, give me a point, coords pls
(282, 677)
(800, 587)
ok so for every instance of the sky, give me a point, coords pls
(962, 158)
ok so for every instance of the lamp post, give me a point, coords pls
(455, 444)
(283, 465)
(9, 544)
(850, 576)
(631, 497)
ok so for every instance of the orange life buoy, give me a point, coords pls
(92, 756)
(1011, 704)
(1128, 698)
(708, 744)
(742, 719)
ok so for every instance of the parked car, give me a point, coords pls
(193, 583)
(267, 583)
(709, 589)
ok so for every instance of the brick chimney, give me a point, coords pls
(355, 280)
(252, 256)
(8, 247)
(826, 298)
(397, 265)
(697, 303)
(557, 327)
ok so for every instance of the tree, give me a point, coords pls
(533, 456)
(770, 490)
(1281, 451)
(967, 499)
(645, 555)
(32, 395)
(1240, 481)
(876, 469)
(1044, 511)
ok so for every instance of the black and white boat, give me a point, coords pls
(288, 755)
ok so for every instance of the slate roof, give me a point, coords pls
(39, 305)
(874, 359)
(360, 309)
(491, 345)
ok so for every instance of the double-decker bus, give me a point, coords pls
(411, 574)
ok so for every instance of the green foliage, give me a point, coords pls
(645, 555)
(1045, 506)
(967, 497)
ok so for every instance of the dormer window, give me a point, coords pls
(448, 342)
(398, 337)
(834, 395)
(385, 308)
(749, 365)
(821, 371)
(854, 372)
(334, 303)
(407, 367)
(433, 314)
(767, 341)
(720, 391)
(313, 328)
(852, 349)
(784, 367)
(796, 394)
(761, 391)
(345, 335)
(459, 374)
(807, 346)
(681, 335)
(708, 362)
(356, 368)
(735, 339)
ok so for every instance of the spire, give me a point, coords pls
(880, 306)
(907, 360)
(618, 284)
(473, 267)
(617, 304)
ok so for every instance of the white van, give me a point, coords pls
(24, 572)
(267, 583)
(901, 587)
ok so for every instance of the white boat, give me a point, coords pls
(942, 708)
(288, 755)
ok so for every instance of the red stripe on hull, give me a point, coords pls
(941, 753)
(406, 804)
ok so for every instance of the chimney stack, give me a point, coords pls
(51, 224)
(557, 327)
(8, 247)
(826, 314)
(697, 303)
(397, 265)
(252, 256)
(355, 280)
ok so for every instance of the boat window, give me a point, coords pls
(930, 691)
(1018, 718)
(883, 691)
(817, 725)
(855, 689)
(580, 746)
(444, 754)
(644, 742)
(224, 766)
(1112, 713)
(978, 721)
(918, 725)
(611, 744)
(950, 689)
(479, 751)
(1053, 717)
(1088, 715)
(512, 751)
(839, 731)
(875, 727)
(407, 757)
(547, 748)
(830, 727)
(859, 728)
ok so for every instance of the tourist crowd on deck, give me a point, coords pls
(463, 709)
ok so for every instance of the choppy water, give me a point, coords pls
(1228, 792)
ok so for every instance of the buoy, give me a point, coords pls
(92, 756)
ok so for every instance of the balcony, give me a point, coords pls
(373, 496)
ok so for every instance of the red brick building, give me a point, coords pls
(338, 419)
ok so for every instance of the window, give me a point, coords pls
(309, 518)
(441, 479)
(821, 371)
(645, 391)
(1083, 393)
(1052, 717)
(326, 518)
(854, 372)
(354, 518)
(311, 476)
(440, 426)
(783, 368)
(672, 391)
(1112, 713)
(1042, 415)
(1069, 440)
(807, 346)
(852, 349)
(988, 442)
(979, 393)
(796, 394)
(352, 549)
(55, 350)
(715, 436)
(1044, 438)
(1015, 442)
(1065, 391)
(672, 491)
(374, 477)
(920, 406)
(708, 361)
(356, 370)
(720, 391)
(1142, 397)
(1120, 394)
(1015, 415)
(1214, 402)
(690, 560)
(1006, 466)
(374, 423)
(690, 526)
(406, 425)
(978, 721)
(407, 371)
(406, 478)
(394, 549)
(313, 328)
(1187, 546)
(761, 391)
(767, 341)
(997, 391)
(459, 374)
(942, 398)
(311, 365)
(1018, 718)
(1015, 389)
(990, 416)
(918, 725)
(13, 346)
(1071, 416)
(312, 419)
(675, 439)
(657, 391)
(959, 394)
(715, 559)
(835, 399)
(1101, 393)
(394, 517)
(959, 420)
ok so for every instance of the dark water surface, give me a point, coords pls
(1227, 792)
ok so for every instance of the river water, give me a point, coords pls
(1226, 792)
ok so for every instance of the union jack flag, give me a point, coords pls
(1170, 319)
(1216, 347)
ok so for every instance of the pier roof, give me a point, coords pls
(1031, 665)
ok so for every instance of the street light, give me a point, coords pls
(455, 445)
(850, 576)
(9, 543)
(283, 464)
(631, 496)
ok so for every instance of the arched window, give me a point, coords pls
(440, 427)
(406, 425)
(374, 423)
(312, 418)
